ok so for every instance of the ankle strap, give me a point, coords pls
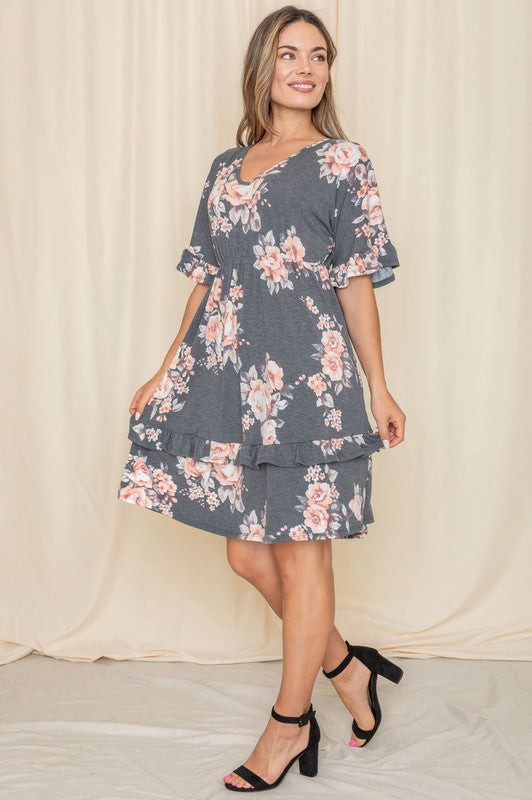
(342, 665)
(302, 720)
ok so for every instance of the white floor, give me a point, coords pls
(451, 730)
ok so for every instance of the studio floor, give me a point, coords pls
(70, 730)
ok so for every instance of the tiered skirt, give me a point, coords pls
(264, 503)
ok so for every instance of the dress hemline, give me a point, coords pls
(229, 533)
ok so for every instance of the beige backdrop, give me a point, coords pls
(111, 114)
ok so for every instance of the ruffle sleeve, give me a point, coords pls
(362, 245)
(198, 261)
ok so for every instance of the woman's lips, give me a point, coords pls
(302, 87)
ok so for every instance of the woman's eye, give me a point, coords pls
(319, 56)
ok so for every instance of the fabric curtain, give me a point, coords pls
(111, 113)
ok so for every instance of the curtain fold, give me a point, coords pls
(112, 113)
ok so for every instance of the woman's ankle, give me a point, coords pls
(335, 653)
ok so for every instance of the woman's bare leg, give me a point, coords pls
(307, 592)
(255, 562)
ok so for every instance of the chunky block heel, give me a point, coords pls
(378, 665)
(308, 758)
(308, 762)
(388, 669)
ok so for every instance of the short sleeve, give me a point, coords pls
(198, 261)
(361, 242)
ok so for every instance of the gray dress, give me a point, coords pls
(258, 429)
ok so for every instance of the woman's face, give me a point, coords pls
(301, 69)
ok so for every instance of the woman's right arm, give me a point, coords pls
(199, 263)
(142, 395)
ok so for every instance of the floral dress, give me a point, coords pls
(258, 429)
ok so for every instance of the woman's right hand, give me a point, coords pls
(144, 394)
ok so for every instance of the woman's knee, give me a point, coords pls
(243, 557)
(295, 559)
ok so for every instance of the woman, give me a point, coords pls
(254, 427)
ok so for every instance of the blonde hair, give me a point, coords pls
(257, 74)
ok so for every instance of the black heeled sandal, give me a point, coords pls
(308, 758)
(378, 666)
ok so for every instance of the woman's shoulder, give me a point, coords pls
(226, 155)
(351, 146)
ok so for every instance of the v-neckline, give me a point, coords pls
(282, 161)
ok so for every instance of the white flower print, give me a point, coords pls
(267, 395)
(251, 528)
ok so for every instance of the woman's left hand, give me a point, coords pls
(389, 417)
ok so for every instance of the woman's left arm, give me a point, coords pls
(359, 308)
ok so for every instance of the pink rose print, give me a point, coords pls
(251, 528)
(340, 160)
(337, 369)
(278, 262)
(146, 486)
(321, 509)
